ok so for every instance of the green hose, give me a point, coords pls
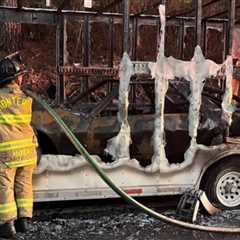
(115, 188)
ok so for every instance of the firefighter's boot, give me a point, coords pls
(22, 225)
(8, 231)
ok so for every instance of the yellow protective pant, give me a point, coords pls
(16, 195)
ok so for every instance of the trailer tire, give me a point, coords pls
(222, 184)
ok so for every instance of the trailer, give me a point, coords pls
(183, 133)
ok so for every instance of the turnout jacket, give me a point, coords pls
(17, 139)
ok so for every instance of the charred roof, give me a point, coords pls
(210, 8)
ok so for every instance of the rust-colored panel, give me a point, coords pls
(118, 39)
(172, 41)
(189, 43)
(147, 43)
(215, 45)
(99, 43)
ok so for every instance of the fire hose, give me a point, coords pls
(115, 188)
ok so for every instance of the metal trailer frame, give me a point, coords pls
(80, 181)
(59, 17)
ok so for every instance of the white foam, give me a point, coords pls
(118, 147)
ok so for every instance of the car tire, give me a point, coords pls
(222, 184)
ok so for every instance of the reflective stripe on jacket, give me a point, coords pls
(17, 139)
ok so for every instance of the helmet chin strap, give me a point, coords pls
(19, 80)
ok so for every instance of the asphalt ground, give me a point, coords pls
(111, 220)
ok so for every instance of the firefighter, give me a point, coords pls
(18, 154)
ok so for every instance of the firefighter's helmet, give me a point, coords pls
(11, 67)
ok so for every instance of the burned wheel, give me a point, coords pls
(222, 184)
(228, 189)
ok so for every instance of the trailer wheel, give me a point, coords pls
(222, 184)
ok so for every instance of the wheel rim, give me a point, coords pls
(228, 189)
